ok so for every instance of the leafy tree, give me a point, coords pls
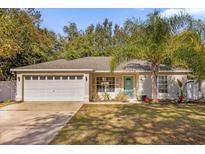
(120, 37)
(22, 41)
(198, 26)
(71, 31)
(94, 41)
(191, 53)
(150, 40)
(103, 37)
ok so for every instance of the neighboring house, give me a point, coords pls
(81, 79)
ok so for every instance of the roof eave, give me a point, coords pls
(50, 70)
(91, 70)
(139, 71)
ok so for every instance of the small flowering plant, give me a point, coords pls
(181, 94)
(180, 99)
(147, 99)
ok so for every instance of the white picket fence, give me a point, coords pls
(7, 90)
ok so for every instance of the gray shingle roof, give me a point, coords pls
(96, 64)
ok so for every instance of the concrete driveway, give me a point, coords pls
(34, 123)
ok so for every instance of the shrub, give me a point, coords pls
(147, 99)
(96, 98)
(106, 96)
(7, 101)
(121, 96)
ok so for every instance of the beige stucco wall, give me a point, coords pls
(87, 85)
(145, 85)
(142, 83)
(173, 89)
(19, 87)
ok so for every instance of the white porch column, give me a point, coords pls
(87, 81)
(19, 87)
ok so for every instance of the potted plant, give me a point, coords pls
(146, 99)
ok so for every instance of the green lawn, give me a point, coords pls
(135, 124)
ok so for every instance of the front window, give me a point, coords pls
(105, 84)
(162, 84)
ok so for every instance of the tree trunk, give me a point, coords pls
(155, 71)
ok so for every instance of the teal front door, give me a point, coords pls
(128, 85)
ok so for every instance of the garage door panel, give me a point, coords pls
(54, 90)
(45, 85)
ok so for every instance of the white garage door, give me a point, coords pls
(54, 88)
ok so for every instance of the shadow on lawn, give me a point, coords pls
(135, 124)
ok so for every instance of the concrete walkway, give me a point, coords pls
(34, 123)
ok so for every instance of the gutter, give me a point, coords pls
(92, 70)
(123, 71)
(50, 70)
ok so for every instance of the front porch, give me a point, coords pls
(132, 84)
(114, 84)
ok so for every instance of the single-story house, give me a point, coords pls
(81, 79)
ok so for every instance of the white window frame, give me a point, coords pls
(105, 79)
(162, 84)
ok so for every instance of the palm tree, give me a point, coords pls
(152, 41)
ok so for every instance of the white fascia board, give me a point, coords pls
(49, 70)
(123, 71)
(90, 70)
